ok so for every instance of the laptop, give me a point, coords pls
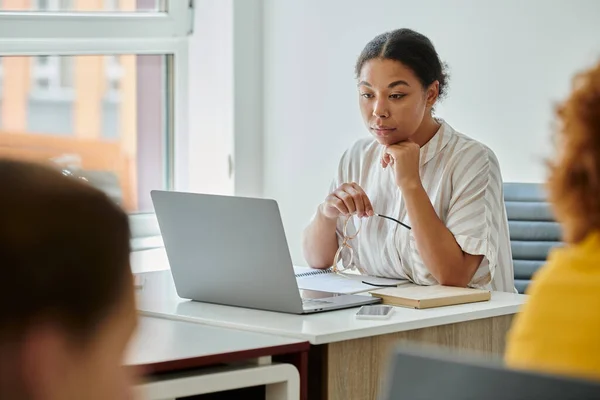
(422, 373)
(232, 250)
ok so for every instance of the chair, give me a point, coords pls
(532, 227)
(428, 373)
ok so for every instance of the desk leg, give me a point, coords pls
(289, 390)
(300, 361)
(354, 369)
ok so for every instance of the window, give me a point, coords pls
(51, 5)
(52, 77)
(114, 73)
(84, 5)
(100, 93)
(110, 135)
(116, 19)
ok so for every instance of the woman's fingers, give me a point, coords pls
(349, 199)
(337, 204)
(368, 207)
(358, 198)
(386, 160)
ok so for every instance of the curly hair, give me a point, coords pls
(574, 180)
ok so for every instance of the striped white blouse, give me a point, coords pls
(462, 178)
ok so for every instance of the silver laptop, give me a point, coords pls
(233, 251)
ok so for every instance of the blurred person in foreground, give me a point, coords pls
(558, 329)
(67, 308)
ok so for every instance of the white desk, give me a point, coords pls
(158, 298)
(348, 342)
(223, 359)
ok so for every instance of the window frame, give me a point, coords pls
(114, 73)
(138, 33)
(176, 21)
(164, 33)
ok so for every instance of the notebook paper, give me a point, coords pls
(349, 283)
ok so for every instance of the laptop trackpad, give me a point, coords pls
(307, 294)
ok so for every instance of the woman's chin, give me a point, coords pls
(388, 140)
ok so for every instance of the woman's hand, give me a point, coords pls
(347, 199)
(404, 157)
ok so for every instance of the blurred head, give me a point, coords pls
(400, 77)
(574, 182)
(66, 291)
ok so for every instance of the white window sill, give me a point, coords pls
(149, 260)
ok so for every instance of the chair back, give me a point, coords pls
(420, 373)
(532, 227)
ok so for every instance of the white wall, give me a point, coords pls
(225, 98)
(211, 97)
(509, 61)
(248, 101)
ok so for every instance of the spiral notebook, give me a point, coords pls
(326, 280)
(301, 272)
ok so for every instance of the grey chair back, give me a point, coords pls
(533, 229)
(428, 373)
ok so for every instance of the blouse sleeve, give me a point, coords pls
(474, 211)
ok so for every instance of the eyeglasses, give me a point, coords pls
(346, 244)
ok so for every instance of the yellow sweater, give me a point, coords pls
(558, 329)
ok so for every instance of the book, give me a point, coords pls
(416, 296)
(326, 280)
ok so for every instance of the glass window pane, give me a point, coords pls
(84, 5)
(101, 118)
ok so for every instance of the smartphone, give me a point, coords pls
(377, 311)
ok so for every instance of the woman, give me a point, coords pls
(417, 169)
(558, 330)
